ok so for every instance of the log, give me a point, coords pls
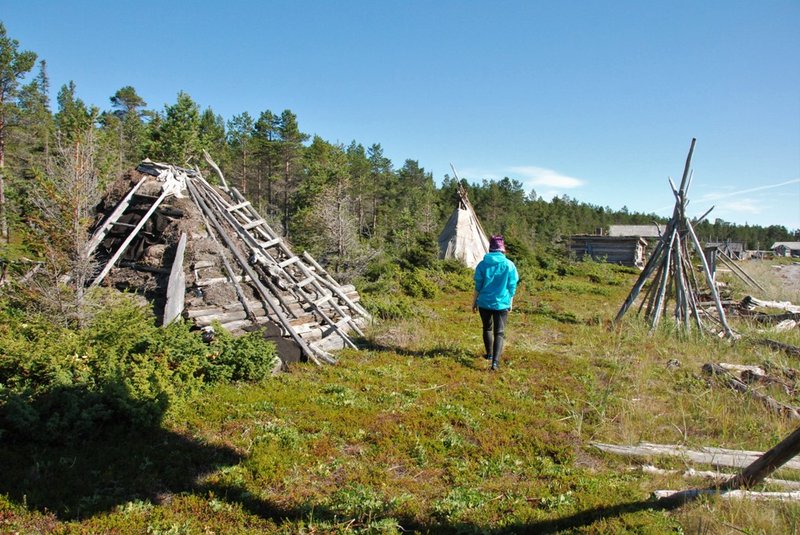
(735, 384)
(780, 346)
(762, 467)
(740, 368)
(225, 317)
(176, 287)
(706, 455)
(774, 318)
(148, 269)
(716, 476)
(750, 302)
(729, 495)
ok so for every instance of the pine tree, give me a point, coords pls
(240, 140)
(14, 65)
(291, 152)
(267, 153)
(177, 138)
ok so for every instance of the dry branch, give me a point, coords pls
(735, 384)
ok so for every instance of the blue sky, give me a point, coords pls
(598, 100)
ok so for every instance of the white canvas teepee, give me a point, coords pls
(463, 237)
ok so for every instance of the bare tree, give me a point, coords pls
(65, 199)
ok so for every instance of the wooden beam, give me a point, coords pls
(176, 287)
(773, 459)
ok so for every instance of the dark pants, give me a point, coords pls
(494, 326)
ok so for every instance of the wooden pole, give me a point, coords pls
(176, 287)
(710, 280)
(687, 167)
(783, 452)
(648, 270)
(664, 281)
(216, 169)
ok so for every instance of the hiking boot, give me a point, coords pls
(495, 365)
(487, 356)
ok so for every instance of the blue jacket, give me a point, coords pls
(496, 281)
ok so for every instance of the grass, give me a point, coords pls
(413, 433)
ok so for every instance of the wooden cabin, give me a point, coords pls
(623, 250)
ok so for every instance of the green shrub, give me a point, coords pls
(390, 306)
(247, 358)
(417, 284)
(121, 368)
(423, 254)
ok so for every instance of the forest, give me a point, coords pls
(345, 204)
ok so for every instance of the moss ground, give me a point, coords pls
(414, 433)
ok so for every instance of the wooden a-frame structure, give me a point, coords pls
(274, 287)
(675, 287)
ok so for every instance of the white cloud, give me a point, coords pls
(538, 176)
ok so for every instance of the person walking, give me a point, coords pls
(496, 281)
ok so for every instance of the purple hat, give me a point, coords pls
(496, 243)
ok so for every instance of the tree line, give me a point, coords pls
(344, 203)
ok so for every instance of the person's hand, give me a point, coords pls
(474, 306)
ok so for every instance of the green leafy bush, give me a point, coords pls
(247, 358)
(390, 306)
(121, 368)
(417, 284)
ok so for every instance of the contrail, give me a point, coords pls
(717, 196)
(714, 197)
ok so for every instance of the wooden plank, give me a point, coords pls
(288, 262)
(221, 280)
(239, 206)
(271, 243)
(706, 455)
(305, 282)
(253, 224)
(176, 287)
(324, 299)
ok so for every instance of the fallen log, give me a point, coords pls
(750, 302)
(735, 384)
(716, 476)
(780, 346)
(729, 495)
(760, 317)
(705, 455)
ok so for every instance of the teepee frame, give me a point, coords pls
(675, 287)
